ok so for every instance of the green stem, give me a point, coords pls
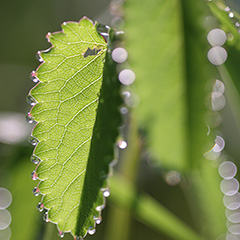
(119, 220)
(149, 211)
(231, 93)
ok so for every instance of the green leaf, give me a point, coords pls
(229, 72)
(78, 118)
(168, 52)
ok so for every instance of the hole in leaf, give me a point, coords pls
(91, 52)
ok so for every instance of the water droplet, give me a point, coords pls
(232, 202)
(38, 56)
(97, 220)
(36, 191)
(34, 176)
(45, 217)
(233, 228)
(123, 110)
(33, 140)
(103, 30)
(233, 216)
(212, 155)
(217, 55)
(31, 100)
(231, 237)
(230, 36)
(208, 130)
(173, 178)
(35, 159)
(48, 35)
(119, 55)
(100, 208)
(29, 118)
(106, 192)
(227, 9)
(126, 94)
(5, 198)
(231, 14)
(33, 77)
(218, 101)
(122, 144)
(219, 86)
(40, 207)
(229, 186)
(91, 230)
(5, 234)
(132, 101)
(61, 234)
(5, 219)
(227, 170)
(126, 77)
(216, 37)
(219, 144)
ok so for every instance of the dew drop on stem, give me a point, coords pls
(231, 14)
(122, 144)
(97, 220)
(100, 208)
(123, 110)
(91, 230)
(227, 170)
(106, 192)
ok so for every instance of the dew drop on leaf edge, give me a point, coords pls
(29, 118)
(35, 159)
(40, 207)
(34, 176)
(91, 230)
(36, 191)
(61, 234)
(33, 140)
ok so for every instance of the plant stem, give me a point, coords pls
(149, 211)
(119, 221)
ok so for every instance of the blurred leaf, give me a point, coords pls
(167, 50)
(205, 198)
(229, 72)
(148, 211)
(25, 223)
(78, 118)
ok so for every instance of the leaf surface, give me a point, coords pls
(77, 120)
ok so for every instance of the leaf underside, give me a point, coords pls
(77, 120)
